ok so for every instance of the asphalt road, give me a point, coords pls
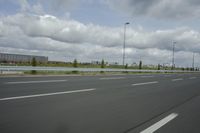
(161, 103)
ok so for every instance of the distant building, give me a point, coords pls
(15, 58)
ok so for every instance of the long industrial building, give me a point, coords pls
(14, 58)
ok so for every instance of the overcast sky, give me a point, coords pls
(91, 30)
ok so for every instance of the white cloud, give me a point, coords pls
(68, 39)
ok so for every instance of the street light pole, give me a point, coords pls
(193, 62)
(173, 64)
(124, 46)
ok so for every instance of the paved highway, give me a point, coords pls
(162, 103)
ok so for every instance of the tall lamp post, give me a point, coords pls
(173, 64)
(193, 61)
(124, 46)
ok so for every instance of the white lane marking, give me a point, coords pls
(160, 123)
(154, 82)
(30, 82)
(149, 76)
(45, 94)
(111, 78)
(177, 79)
(167, 75)
(192, 77)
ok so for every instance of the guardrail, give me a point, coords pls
(29, 68)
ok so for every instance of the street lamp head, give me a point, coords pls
(127, 23)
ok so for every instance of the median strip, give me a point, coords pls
(46, 94)
(160, 123)
(137, 84)
(31, 82)
(177, 79)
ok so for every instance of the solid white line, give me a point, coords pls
(46, 94)
(154, 82)
(177, 79)
(192, 77)
(110, 78)
(160, 123)
(30, 82)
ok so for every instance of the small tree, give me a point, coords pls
(75, 63)
(140, 65)
(102, 64)
(126, 66)
(158, 66)
(33, 63)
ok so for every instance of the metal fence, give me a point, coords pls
(29, 68)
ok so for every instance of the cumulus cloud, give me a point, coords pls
(69, 31)
(63, 39)
(167, 9)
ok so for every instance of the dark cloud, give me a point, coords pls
(165, 9)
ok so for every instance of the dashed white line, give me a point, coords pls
(192, 77)
(112, 78)
(149, 76)
(160, 123)
(179, 79)
(46, 94)
(137, 84)
(167, 75)
(31, 82)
